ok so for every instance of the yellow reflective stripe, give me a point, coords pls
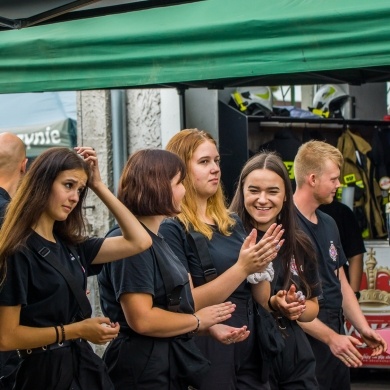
(324, 114)
(239, 101)
(264, 96)
(360, 184)
(339, 191)
(290, 169)
(349, 178)
(331, 91)
(366, 233)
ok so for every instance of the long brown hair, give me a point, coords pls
(184, 145)
(30, 201)
(296, 244)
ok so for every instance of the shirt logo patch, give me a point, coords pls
(332, 251)
(293, 266)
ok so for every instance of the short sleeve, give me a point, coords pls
(135, 274)
(88, 250)
(174, 235)
(15, 287)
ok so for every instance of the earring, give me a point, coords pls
(279, 217)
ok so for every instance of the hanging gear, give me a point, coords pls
(253, 100)
(329, 101)
(358, 171)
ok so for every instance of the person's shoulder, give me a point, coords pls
(340, 212)
(4, 197)
(325, 217)
(328, 208)
(336, 207)
(115, 231)
(171, 226)
(238, 224)
(235, 216)
(343, 208)
(171, 222)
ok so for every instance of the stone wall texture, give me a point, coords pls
(143, 118)
(143, 111)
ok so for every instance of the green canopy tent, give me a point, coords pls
(27, 13)
(212, 43)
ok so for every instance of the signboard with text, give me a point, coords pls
(375, 298)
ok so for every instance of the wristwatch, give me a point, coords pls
(357, 293)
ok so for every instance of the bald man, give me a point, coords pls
(13, 164)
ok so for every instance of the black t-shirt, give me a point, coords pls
(224, 252)
(309, 269)
(141, 274)
(326, 240)
(4, 200)
(350, 233)
(40, 289)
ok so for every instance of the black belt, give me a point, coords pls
(23, 353)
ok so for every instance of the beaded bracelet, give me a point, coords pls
(57, 335)
(62, 333)
(197, 326)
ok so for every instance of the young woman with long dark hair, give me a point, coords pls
(39, 315)
(263, 197)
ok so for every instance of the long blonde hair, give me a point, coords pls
(184, 145)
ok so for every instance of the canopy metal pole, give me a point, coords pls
(119, 134)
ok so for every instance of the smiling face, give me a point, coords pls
(264, 195)
(65, 194)
(326, 184)
(204, 169)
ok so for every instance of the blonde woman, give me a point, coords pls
(234, 255)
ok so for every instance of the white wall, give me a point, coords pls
(171, 114)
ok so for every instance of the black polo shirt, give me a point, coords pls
(4, 200)
(141, 274)
(40, 289)
(330, 256)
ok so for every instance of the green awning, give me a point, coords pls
(211, 43)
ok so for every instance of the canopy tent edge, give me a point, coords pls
(285, 42)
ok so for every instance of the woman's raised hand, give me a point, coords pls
(89, 155)
(255, 257)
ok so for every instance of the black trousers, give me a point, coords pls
(295, 367)
(9, 362)
(75, 367)
(331, 372)
(140, 363)
(236, 366)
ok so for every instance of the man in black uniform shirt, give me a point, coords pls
(317, 170)
(351, 241)
(13, 163)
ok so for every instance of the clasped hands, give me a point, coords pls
(292, 303)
